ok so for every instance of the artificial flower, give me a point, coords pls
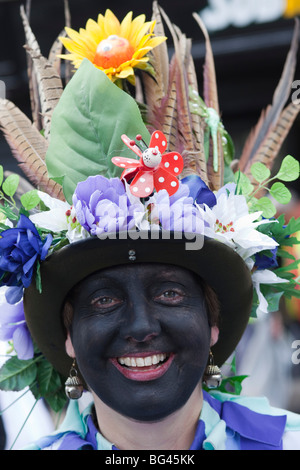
(20, 248)
(61, 217)
(176, 213)
(264, 276)
(264, 261)
(230, 222)
(153, 169)
(13, 327)
(199, 191)
(102, 205)
(114, 47)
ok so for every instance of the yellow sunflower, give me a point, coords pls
(114, 47)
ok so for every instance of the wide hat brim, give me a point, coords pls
(216, 263)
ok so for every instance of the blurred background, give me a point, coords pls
(250, 41)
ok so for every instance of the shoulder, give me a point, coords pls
(254, 418)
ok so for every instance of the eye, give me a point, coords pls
(170, 296)
(105, 302)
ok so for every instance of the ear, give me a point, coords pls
(69, 347)
(214, 335)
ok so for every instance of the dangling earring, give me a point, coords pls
(73, 385)
(212, 376)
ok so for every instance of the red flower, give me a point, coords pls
(153, 169)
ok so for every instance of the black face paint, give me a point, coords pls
(141, 337)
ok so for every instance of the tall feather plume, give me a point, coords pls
(28, 146)
(179, 125)
(210, 95)
(32, 43)
(50, 87)
(156, 88)
(54, 57)
(54, 54)
(265, 140)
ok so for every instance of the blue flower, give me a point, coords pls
(199, 191)
(14, 327)
(20, 248)
(263, 261)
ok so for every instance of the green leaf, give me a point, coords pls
(30, 200)
(266, 206)
(11, 184)
(84, 141)
(50, 386)
(260, 172)
(289, 169)
(279, 192)
(1, 174)
(244, 185)
(16, 374)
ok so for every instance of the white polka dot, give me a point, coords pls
(161, 179)
(135, 189)
(122, 165)
(167, 164)
(175, 157)
(173, 184)
(156, 135)
(147, 190)
(128, 161)
(142, 180)
(117, 159)
(176, 169)
(164, 143)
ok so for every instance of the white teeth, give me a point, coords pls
(142, 361)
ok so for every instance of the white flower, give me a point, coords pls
(264, 276)
(230, 222)
(60, 217)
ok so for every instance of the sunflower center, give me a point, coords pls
(112, 52)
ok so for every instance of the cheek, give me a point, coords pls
(91, 338)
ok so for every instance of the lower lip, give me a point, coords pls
(143, 374)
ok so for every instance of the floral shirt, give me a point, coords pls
(226, 422)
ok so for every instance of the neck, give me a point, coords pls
(175, 432)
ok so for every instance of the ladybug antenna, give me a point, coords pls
(140, 139)
(133, 142)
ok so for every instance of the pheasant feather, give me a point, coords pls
(267, 136)
(28, 147)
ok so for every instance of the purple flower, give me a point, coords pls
(176, 213)
(13, 327)
(20, 248)
(102, 205)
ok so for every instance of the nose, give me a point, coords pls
(140, 325)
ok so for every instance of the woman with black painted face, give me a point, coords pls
(141, 337)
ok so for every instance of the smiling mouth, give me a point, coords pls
(147, 361)
(143, 368)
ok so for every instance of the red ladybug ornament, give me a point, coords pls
(154, 169)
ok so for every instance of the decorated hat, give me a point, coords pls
(129, 164)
